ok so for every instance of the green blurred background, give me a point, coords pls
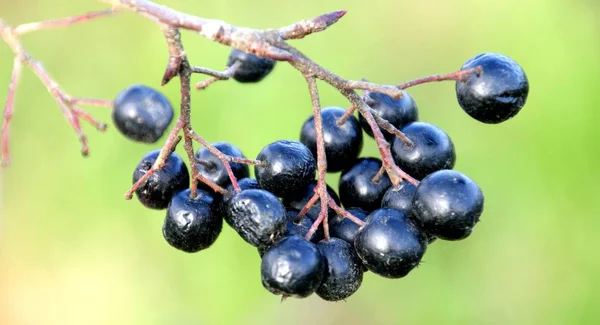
(73, 251)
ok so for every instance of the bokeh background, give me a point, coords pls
(73, 251)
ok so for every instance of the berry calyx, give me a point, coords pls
(343, 143)
(357, 187)
(343, 274)
(398, 112)
(447, 204)
(156, 192)
(142, 114)
(498, 93)
(252, 68)
(213, 169)
(292, 267)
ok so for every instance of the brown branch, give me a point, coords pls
(309, 26)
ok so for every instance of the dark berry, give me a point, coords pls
(390, 244)
(252, 68)
(305, 195)
(244, 184)
(156, 192)
(400, 197)
(290, 167)
(431, 150)
(292, 267)
(398, 112)
(214, 170)
(257, 215)
(342, 143)
(343, 274)
(357, 188)
(447, 204)
(142, 114)
(498, 93)
(190, 224)
(344, 228)
(301, 227)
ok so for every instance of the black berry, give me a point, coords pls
(290, 168)
(252, 68)
(301, 227)
(343, 275)
(214, 170)
(431, 150)
(390, 244)
(156, 192)
(299, 201)
(344, 228)
(498, 93)
(447, 205)
(190, 224)
(398, 112)
(244, 184)
(292, 267)
(357, 188)
(142, 114)
(400, 197)
(342, 143)
(257, 215)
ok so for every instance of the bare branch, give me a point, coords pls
(32, 27)
(309, 26)
(216, 75)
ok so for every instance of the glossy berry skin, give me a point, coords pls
(142, 114)
(398, 112)
(292, 267)
(216, 171)
(498, 93)
(345, 229)
(253, 68)
(298, 202)
(432, 150)
(342, 143)
(157, 191)
(302, 227)
(399, 198)
(257, 216)
(357, 189)
(344, 274)
(447, 205)
(190, 224)
(390, 244)
(290, 168)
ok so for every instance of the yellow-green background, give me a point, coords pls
(73, 251)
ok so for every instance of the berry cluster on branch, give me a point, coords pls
(393, 206)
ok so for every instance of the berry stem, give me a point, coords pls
(90, 119)
(345, 213)
(91, 102)
(211, 184)
(379, 174)
(216, 75)
(67, 21)
(349, 112)
(307, 206)
(8, 110)
(384, 124)
(454, 76)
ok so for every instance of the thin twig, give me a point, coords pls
(216, 75)
(8, 110)
(453, 76)
(61, 22)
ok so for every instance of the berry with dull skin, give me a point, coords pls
(343, 275)
(357, 188)
(252, 68)
(257, 216)
(431, 150)
(289, 168)
(342, 143)
(156, 192)
(292, 267)
(447, 205)
(190, 224)
(398, 112)
(214, 170)
(498, 93)
(390, 244)
(142, 114)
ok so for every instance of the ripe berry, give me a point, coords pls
(142, 114)
(252, 69)
(292, 267)
(390, 244)
(399, 198)
(302, 197)
(342, 143)
(345, 229)
(357, 188)
(447, 204)
(157, 191)
(398, 112)
(432, 150)
(257, 215)
(244, 184)
(498, 93)
(190, 224)
(344, 274)
(214, 170)
(290, 167)
(302, 227)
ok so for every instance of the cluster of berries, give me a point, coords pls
(298, 259)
